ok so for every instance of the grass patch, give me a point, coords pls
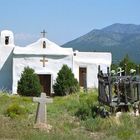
(61, 115)
(16, 111)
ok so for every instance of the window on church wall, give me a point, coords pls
(74, 53)
(44, 44)
(6, 40)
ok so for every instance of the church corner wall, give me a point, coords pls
(6, 63)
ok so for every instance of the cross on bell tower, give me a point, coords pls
(43, 33)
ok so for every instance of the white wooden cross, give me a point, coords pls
(41, 109)
(120, 71)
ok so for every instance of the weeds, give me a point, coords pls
(61, 115)
(16, 111)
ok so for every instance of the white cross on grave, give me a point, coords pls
(120, 71)
(41, 115)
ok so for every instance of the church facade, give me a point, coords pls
(47, 58)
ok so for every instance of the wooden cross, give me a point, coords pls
(43, 33)
(41, 109)
(43, 61)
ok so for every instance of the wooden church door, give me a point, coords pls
(83, 77)
(45, 81)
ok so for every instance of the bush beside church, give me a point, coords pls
(65, 82)
(29, 84)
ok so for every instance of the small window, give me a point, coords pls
(44, 44)
(6, 40)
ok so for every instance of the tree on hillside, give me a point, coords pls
(29, 84)
(65, 82)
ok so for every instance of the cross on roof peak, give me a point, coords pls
(43, 33)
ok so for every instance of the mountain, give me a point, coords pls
(119, 39)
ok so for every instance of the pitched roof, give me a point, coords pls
(37, 49)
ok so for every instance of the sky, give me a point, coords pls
(64, 20)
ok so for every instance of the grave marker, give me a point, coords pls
(41, 114)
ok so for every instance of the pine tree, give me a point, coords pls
(65, 82)
(127, 64)
(29, 84)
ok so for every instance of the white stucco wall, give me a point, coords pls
(52, 67)
(6, 62)
(91, 61)
(55, 63)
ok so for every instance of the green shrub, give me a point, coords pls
(16, 110)
(83, 112)
(65, 82)
(87, 106)
(29, 84)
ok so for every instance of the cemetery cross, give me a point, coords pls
(41, 109)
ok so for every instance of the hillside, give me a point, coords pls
(119, 39)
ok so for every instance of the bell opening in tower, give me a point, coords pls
(6, 40)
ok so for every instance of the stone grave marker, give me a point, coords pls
(41, 114)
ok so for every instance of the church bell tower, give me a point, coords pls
(6, 38)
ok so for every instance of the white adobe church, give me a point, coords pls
(47, 58)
